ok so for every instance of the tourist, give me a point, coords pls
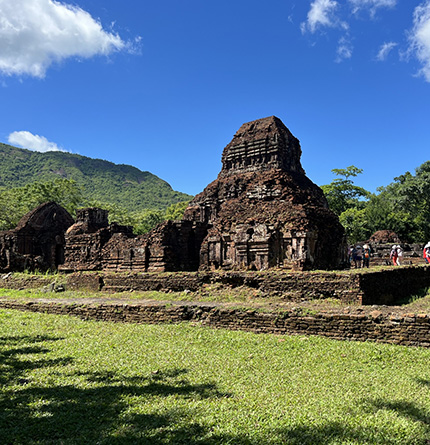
(393, 255)
(426, 253)
(359, 256)
(351, 255)
(399, 255)
(366, 255)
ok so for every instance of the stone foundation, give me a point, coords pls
(387, 286)
(407, 329)
(382, 287)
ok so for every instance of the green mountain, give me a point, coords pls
(104, 181)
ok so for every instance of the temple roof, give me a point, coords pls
(260, 145)
(259, 129)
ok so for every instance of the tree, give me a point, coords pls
(147, 220)
(16, 202)
(355, 224)
(176, 211)
(404, 206)
(342, 193)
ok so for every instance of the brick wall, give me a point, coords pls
(386, 286)
(367, 287)
(407, 329)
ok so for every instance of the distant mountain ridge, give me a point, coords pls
(101, 180)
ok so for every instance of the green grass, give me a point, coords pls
(208, 293)
(66, 381)
(240, 297)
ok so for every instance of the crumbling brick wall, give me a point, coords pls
(38, 240)
(404, 329)
(171, 246)
(86, 239)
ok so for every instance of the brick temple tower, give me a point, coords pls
(262, 210)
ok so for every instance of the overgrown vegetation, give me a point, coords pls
(16, 202)
(98, 180)
(63, 380)
(403, 206)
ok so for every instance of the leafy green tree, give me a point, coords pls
(16, 202)
(176, 211)
(342, 193)
(64, 192)
(404, 206)
(355, 223)
(147, 220)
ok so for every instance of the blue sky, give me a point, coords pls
(164, 85)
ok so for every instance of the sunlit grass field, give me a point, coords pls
(67, 381)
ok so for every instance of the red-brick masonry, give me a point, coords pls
(380, 287)
(407, 329)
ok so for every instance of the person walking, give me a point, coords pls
(366, 255)
(426, 253)
(393, 255)
(399, 255)
(358, 256)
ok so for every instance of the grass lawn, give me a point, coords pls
(67, 381)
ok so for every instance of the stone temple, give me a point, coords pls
(261, 212)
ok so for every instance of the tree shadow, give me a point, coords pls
(423, 382)
(95, 413)
(101, 410)
(12, 366)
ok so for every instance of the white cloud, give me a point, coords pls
(34, 142)
(36, 33)
(384, 50)
(322, 13)
(337, 14)
(344, 50)
(419, 38)
(371, 5)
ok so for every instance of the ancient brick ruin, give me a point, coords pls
(381, 243)
(261, 212)
(87, 237)
(38, 240)
(94, 244)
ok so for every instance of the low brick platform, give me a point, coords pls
(406, 329)
(364, 286)
(361, 289)
(367, 286)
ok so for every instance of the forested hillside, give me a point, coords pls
(121, 185)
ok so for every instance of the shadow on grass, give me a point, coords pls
(103, 409)
(97, 413)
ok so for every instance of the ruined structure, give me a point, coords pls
(94, 244)
(87, 237)
(262, 210)
(171, 246)
(381, 243)
(38, 240)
